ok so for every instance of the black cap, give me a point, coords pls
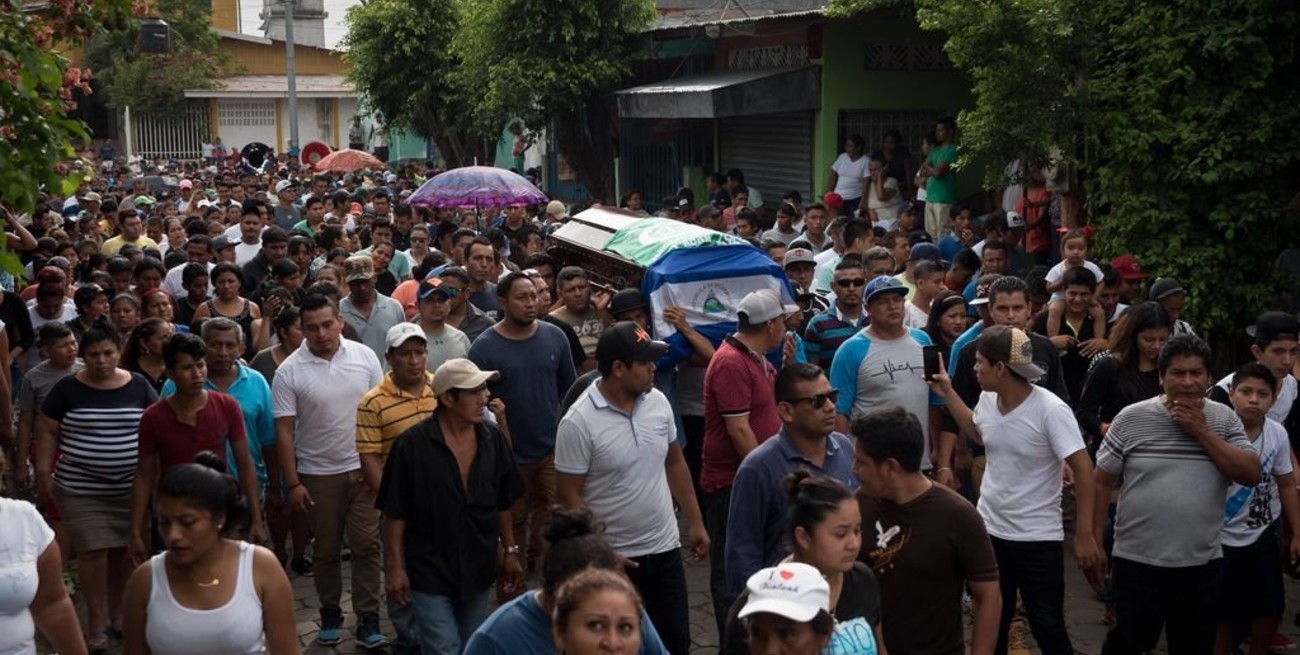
(627, 341)
(86, 294)
(626, 300)
(1274, 326)
(1164, 287)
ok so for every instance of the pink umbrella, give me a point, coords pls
(348, 160)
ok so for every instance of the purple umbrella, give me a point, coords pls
(476, 186)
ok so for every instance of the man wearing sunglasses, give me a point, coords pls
(445, 342)
(807, 440)
(827, 330)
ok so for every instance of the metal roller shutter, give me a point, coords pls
(774, 150)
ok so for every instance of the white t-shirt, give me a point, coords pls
(174, 282)
(1020, 498)
(1250, 510)
(33, 354)
(245, 252)
(851, 173)
(886, 208)
(915, 317)
(322, 394)
(1057, 272)
(24, 538)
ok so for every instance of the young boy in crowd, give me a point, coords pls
(929, 284)
(1253, 598)
(962, 234)
(747, 223)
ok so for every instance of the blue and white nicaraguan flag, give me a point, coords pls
(707, 283)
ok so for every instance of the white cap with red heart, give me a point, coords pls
(794, 590)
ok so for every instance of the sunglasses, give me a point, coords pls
(427, 289)
(851, 282)
(817, 400)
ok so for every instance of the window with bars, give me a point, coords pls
(872, 125)
(246, 112)
(906, 56)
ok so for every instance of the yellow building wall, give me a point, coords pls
(260, 59)
(225, 15)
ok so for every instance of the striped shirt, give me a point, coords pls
(98, 434)
(385, 412)
(1171, 505)
(825, 333)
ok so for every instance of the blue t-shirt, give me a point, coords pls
(520, 626)
(535, 374)
(972, 333)
(949, 246)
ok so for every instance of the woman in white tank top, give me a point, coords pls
(207, 595)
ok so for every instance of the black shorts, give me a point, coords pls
(1252, 580)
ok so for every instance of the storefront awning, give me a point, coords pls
(722, 94)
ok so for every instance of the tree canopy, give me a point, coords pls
(549, 63)
(1182, 119)
(37, 87)
(413, 37)
(553, 64)
(155, 84)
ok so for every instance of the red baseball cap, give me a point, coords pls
(833, 200)
(1128, 268)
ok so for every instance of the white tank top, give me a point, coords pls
(235, 627)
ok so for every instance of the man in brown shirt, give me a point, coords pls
(924, 542)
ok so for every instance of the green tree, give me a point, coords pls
(1182, 118)
(155, 84)
(553, 64)
(37, 86)
(413, 37)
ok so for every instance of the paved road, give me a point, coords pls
(1083, 614)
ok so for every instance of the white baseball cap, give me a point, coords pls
(403, 332)
(762, 306)
(284, 184)
(793, 590)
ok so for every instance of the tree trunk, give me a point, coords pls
(586, 140)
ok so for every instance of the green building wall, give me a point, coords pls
(848, 85)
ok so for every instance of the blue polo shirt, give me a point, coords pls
(756, 518)
(253, 394)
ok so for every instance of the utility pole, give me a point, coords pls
(291, 66)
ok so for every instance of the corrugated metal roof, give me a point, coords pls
(704, 82)
(720, 94)
(677, 14)
(277, 86)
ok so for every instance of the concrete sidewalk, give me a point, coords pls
(1083, 614)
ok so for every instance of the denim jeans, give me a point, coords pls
(661, 581)
(716, 506)
(1035, 569)
(1182, 601)
(440, 625)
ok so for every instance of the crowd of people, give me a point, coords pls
(210, 387)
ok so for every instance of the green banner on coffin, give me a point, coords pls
(645, 240)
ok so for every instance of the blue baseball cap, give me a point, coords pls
(432, 285)
(884, 284)
(925, 251)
